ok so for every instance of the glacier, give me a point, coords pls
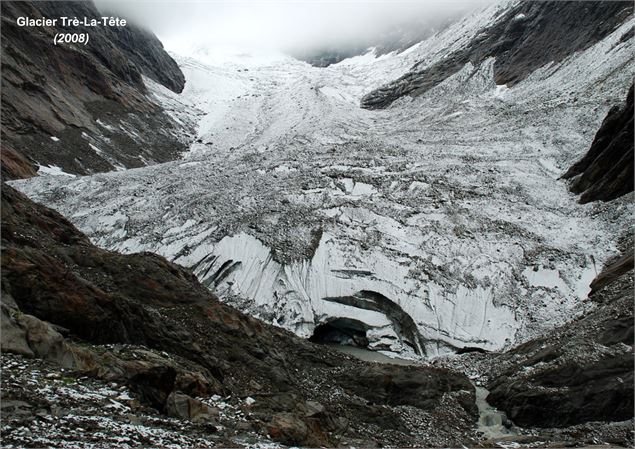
(436, 224)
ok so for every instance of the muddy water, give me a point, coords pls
(491, 421)
(371, 356)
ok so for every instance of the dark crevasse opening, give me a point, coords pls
(342, 331)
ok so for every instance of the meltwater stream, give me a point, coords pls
(492, 423)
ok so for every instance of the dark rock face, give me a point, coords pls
(326, 57)
(186, 344)
(578, 373)
(92, 98)
(612, 273)
(382, 384)
(14, 165)
(606, 170)
(143, 52)
(524, 39)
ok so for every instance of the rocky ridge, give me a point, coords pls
(83, 109)
(606, 170)
(523, 39)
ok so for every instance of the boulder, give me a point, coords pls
(313, 409)
(27, 335)
(15, 409)
(288, 429)
(45, 341)
(13, 336)
(182, 406)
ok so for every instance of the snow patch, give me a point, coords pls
(52, 170)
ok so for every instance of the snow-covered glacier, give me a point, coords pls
(436, 224)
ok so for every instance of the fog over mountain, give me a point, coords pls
(290, 26)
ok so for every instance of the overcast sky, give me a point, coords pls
(281, 25)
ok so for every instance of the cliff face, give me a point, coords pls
(126, 51)
(606, 170)
(524, 39)
(83, 108)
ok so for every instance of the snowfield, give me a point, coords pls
(436, 224)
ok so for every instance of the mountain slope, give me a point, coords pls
(524, 38)
(606, 170)
(83, 109)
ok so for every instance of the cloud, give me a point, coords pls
(282, 25)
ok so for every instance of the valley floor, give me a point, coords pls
(46, 406)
